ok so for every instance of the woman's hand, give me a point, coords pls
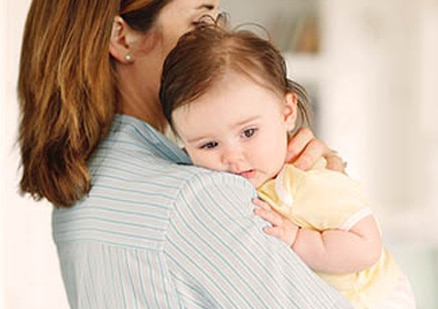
(282, 228)
(304, 150)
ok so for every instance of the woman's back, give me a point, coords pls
(156, 234)
(106, 240)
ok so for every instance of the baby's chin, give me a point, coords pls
(260, 183)
(262, 179)
(257, 183)
(253, 176)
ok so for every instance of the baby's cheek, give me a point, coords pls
(206, 160)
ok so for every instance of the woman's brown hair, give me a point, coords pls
(67, 90)
(204, 55)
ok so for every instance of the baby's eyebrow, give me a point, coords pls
(196, 140)
(247, 120)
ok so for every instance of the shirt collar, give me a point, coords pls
(159, 143)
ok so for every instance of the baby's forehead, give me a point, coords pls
(248, 75)
(232, 97)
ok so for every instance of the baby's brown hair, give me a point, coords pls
(203, 56)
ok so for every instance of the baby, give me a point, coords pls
(227, 97)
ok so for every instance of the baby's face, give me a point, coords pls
(238, 126)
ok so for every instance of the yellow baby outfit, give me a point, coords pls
(321, 199)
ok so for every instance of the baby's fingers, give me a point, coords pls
(268, 215)
(279, 233)
(273, 231)
(261, 204)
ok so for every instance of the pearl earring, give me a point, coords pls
(128, 57)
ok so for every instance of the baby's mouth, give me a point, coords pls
(248, 174)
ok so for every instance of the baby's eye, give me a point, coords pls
(248, 132)
(209, 145)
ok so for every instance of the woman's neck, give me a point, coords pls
(149, 111)
(141, 101)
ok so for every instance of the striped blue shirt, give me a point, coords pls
(156, 232)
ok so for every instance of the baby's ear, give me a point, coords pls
(290, 110)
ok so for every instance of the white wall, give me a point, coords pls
(31, 274)
(380, 100)
(2, 142)
(379, 104)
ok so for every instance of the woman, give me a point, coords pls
(136, 226)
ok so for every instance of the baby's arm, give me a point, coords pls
(340, 252)
(330, 251)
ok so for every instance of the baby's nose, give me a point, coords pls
(233, 158)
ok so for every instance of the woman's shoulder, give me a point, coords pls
(193, 188)
(212, 180)
(218, 195)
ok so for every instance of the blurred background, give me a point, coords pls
(371, 68)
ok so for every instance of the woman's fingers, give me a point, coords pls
(335, 162)
(304, 150)
(314, 151)
(298, 143)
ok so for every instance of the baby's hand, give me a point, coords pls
(281, 228)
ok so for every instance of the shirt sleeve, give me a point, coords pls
(318, 199)
(219, 257)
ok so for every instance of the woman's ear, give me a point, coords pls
(290, 110)
(120, 47)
